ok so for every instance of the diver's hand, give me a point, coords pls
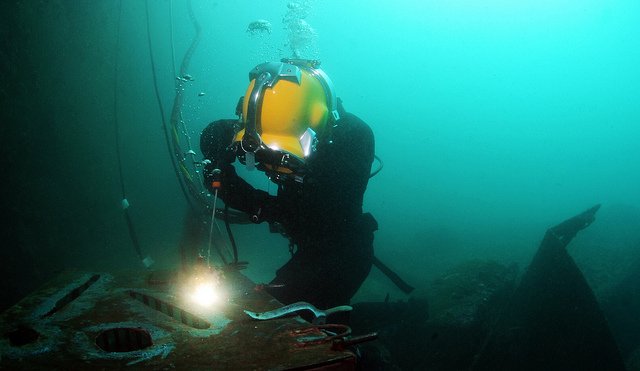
(240, 195)
(265, 208)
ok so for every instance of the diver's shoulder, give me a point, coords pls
(352, 122)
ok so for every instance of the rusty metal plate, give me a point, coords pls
(100, 320)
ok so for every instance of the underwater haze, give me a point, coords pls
(494, 119)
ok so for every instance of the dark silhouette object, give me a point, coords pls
(440, 328)
(622, 305)
(553, 321)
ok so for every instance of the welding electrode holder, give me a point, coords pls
(212, 174)
(216, 175)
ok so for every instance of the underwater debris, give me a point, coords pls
(553, 319)
(259, 26)
(463, 293)
(296, 307)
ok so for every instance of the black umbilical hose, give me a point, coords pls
(125, 204)
(161, 107)
(231, 238)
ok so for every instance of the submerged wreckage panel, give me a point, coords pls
(83, 320)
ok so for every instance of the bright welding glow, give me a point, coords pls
(205, 294)
(205, 288)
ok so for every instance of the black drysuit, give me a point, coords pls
(322, 215)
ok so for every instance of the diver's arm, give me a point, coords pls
(240, 195)
(234, 191)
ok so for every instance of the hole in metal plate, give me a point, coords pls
(123, 339)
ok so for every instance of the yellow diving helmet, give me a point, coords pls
(287, 104)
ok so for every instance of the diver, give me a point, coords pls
(293, 128)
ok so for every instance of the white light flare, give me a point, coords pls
(205, 290)
(205, 294)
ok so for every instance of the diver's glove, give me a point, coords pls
(266, 208)
(240, 195)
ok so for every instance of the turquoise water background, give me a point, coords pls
(495, 120)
